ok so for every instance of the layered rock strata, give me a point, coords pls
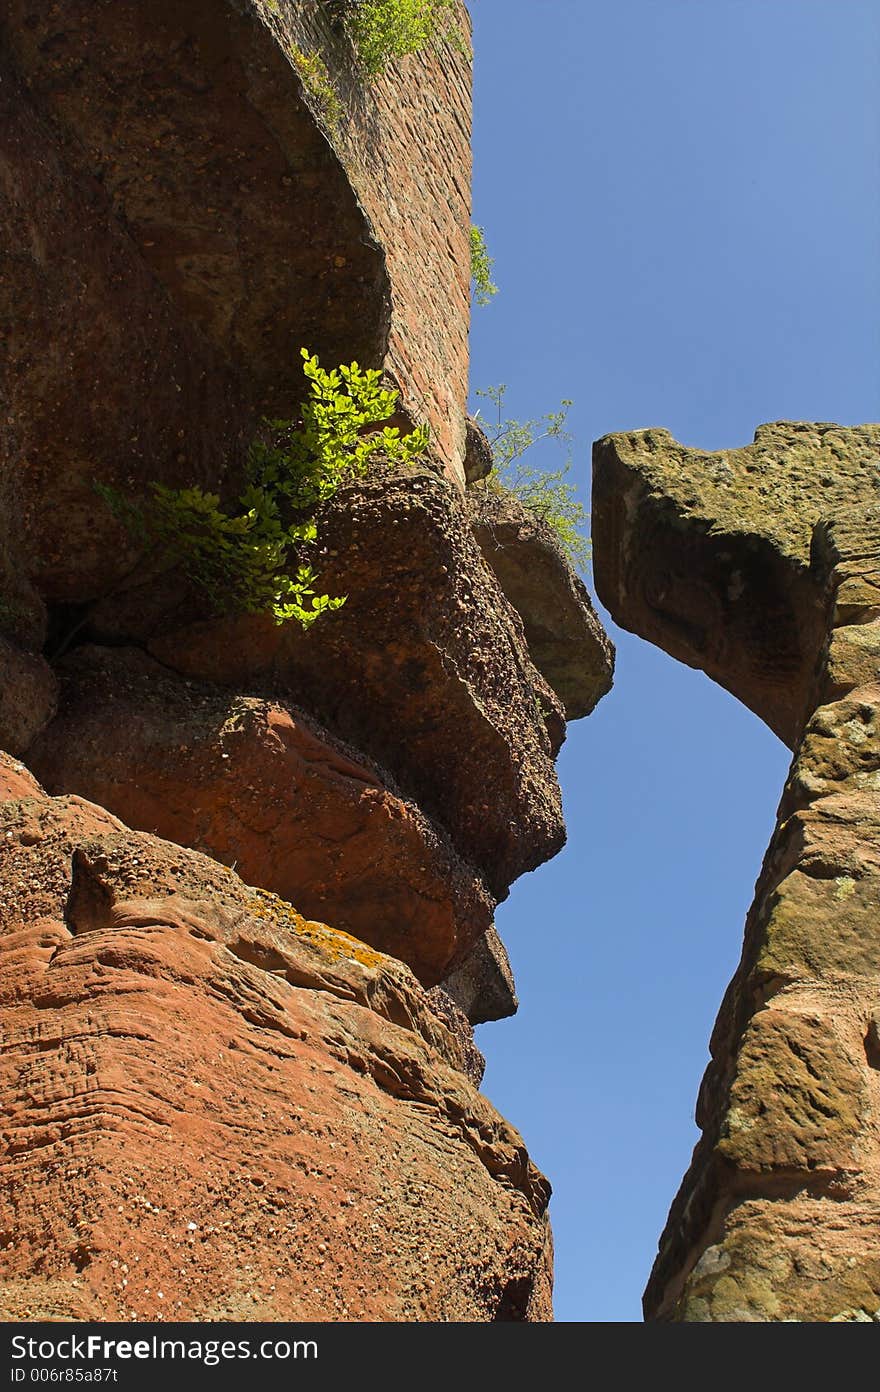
(425, 668)
(763, 566)
(215, 1109)
(262, 788)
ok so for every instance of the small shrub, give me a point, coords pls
(316, 80)
(483, 288)
(545, 492)
(384, 30)
(252, 559)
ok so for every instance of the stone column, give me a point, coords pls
(778, 1215)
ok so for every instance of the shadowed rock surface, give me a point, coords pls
(212, 224)
(708, 554)
(567, 643)
(478, 460)
(482, 985)
(473, 1064)
(70, 320)
(28, 692)
(777, 594)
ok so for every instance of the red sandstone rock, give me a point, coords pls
(212, 224)
(15, 780)
(73, 415)
(213, 1109)
(425, 668)
(257, 785)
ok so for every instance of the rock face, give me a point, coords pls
(567, 643)
(15, 780)
(181, 1010)
(260, 787)
(784, 577)
(482, 985)
(709, 555)
(213, 223)
(425, 668)
(27, 697)
(215, 1105)
(405, 142)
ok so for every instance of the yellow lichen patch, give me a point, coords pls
(333, 943)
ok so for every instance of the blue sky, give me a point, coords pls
(683, 202)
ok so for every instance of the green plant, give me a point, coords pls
(481, 267)
(545, 492)
(251, 559)
(316, 80)
(383, 30)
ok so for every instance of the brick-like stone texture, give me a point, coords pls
(405, 140)
(214, 220)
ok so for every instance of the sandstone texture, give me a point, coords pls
(259, 786)
(246, 913)
(15, 780)
(778, 1214)
(482, 985)
(709, 554)
(404, 140)
(567, 643)
(425, 669)
(212, 224)
(215, 1109)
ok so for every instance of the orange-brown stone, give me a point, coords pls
(214, 1109)
(259, 786)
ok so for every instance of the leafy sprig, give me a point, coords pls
(251, 559)
(546, 493)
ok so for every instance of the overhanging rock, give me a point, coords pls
(762, 566)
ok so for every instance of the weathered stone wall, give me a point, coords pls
(176, 203)
(763, 566)
(405, 140)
